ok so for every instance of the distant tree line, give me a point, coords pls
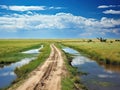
(103, 40)
(117, 40)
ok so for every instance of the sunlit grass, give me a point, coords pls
(10, 50)
(99, 50)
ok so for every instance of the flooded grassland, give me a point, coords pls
(99, 74)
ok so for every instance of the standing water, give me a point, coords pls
(100, 76)
(7, 75)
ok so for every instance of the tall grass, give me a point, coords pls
(106, 52)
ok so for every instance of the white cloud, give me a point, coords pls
(27, 8)
(108, 6)
(109, 22)
(58, 21)
(111, 12)
(56, 7)
(105, 76)
(7, 74)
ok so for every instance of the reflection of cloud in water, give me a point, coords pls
(9, 70)
(79, 60)
(105, 76)
(23, 62)
(109, 71)
(7, 74)
(101, 72)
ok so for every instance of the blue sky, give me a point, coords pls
(59, 18)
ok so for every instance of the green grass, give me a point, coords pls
(67, 84)
(106, 52)
(10, 50)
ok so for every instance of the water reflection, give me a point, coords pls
(7, 75)
(110, 67)
(100, 76)
(70, 51)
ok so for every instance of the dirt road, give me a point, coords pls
(48, 76)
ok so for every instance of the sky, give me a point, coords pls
(59, 18)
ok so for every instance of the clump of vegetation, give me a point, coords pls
(111, 41)
(102, 39)
(89, 40)
(117, 40)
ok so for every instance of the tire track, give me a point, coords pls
(49, 69)
(48, 76)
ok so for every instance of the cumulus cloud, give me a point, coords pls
(27, 8)
(58, 21)
(108, 6)
(111, 12)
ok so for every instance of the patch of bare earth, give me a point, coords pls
(48, 76)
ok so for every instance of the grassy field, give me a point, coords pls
(101, 51)
(10, 50)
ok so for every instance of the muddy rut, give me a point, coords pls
(48, 76)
